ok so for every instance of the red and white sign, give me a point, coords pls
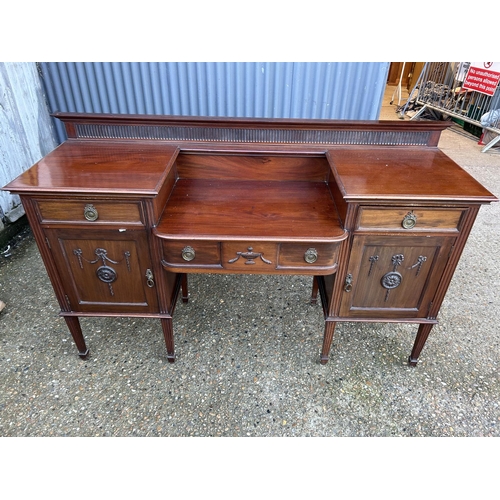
(482, 77)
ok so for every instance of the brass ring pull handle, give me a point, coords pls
(409, 220)
(188, 253)
(311, 255)
(90, 213)
(149, 278)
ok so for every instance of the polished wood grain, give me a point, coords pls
(411, 174)
(245, 167)
(250, 210)
(114, 167)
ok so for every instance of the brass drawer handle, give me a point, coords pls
(311, 255)
(188, 253)
(90, 213)
(409, 220)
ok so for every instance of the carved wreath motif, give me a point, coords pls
(105, 273)
(391, 280)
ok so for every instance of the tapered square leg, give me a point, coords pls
(168, 333)
(184, 288)
(422, 334)
(75, 329)
(314, 293)
(327, 341)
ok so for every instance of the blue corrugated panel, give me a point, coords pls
(335, 90)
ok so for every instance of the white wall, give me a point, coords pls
(26, 130)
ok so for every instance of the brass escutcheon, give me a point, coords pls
(348, 283)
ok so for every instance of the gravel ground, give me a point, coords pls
(248, 350)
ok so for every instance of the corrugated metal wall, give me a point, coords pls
(335, 90)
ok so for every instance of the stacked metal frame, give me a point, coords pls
(439, 88)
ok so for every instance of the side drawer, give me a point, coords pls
(90, 211)
(410, 219)
(308, 255)
(186, 253)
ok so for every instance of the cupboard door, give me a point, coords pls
(393, 277)
(104, 271)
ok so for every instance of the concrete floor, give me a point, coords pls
(248, 351)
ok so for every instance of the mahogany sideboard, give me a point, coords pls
(129, 205)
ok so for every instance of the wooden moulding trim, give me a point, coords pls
(114, 314)
(248, 237)
(382, 319)
(422, 200)
(250, 130)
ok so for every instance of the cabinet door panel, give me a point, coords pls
(104, 271)
(394, 276)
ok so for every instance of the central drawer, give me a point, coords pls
(259, 257)
(250, 256)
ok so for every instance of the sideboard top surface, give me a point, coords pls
(401, 173)
(117, 167)
(133, 154)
